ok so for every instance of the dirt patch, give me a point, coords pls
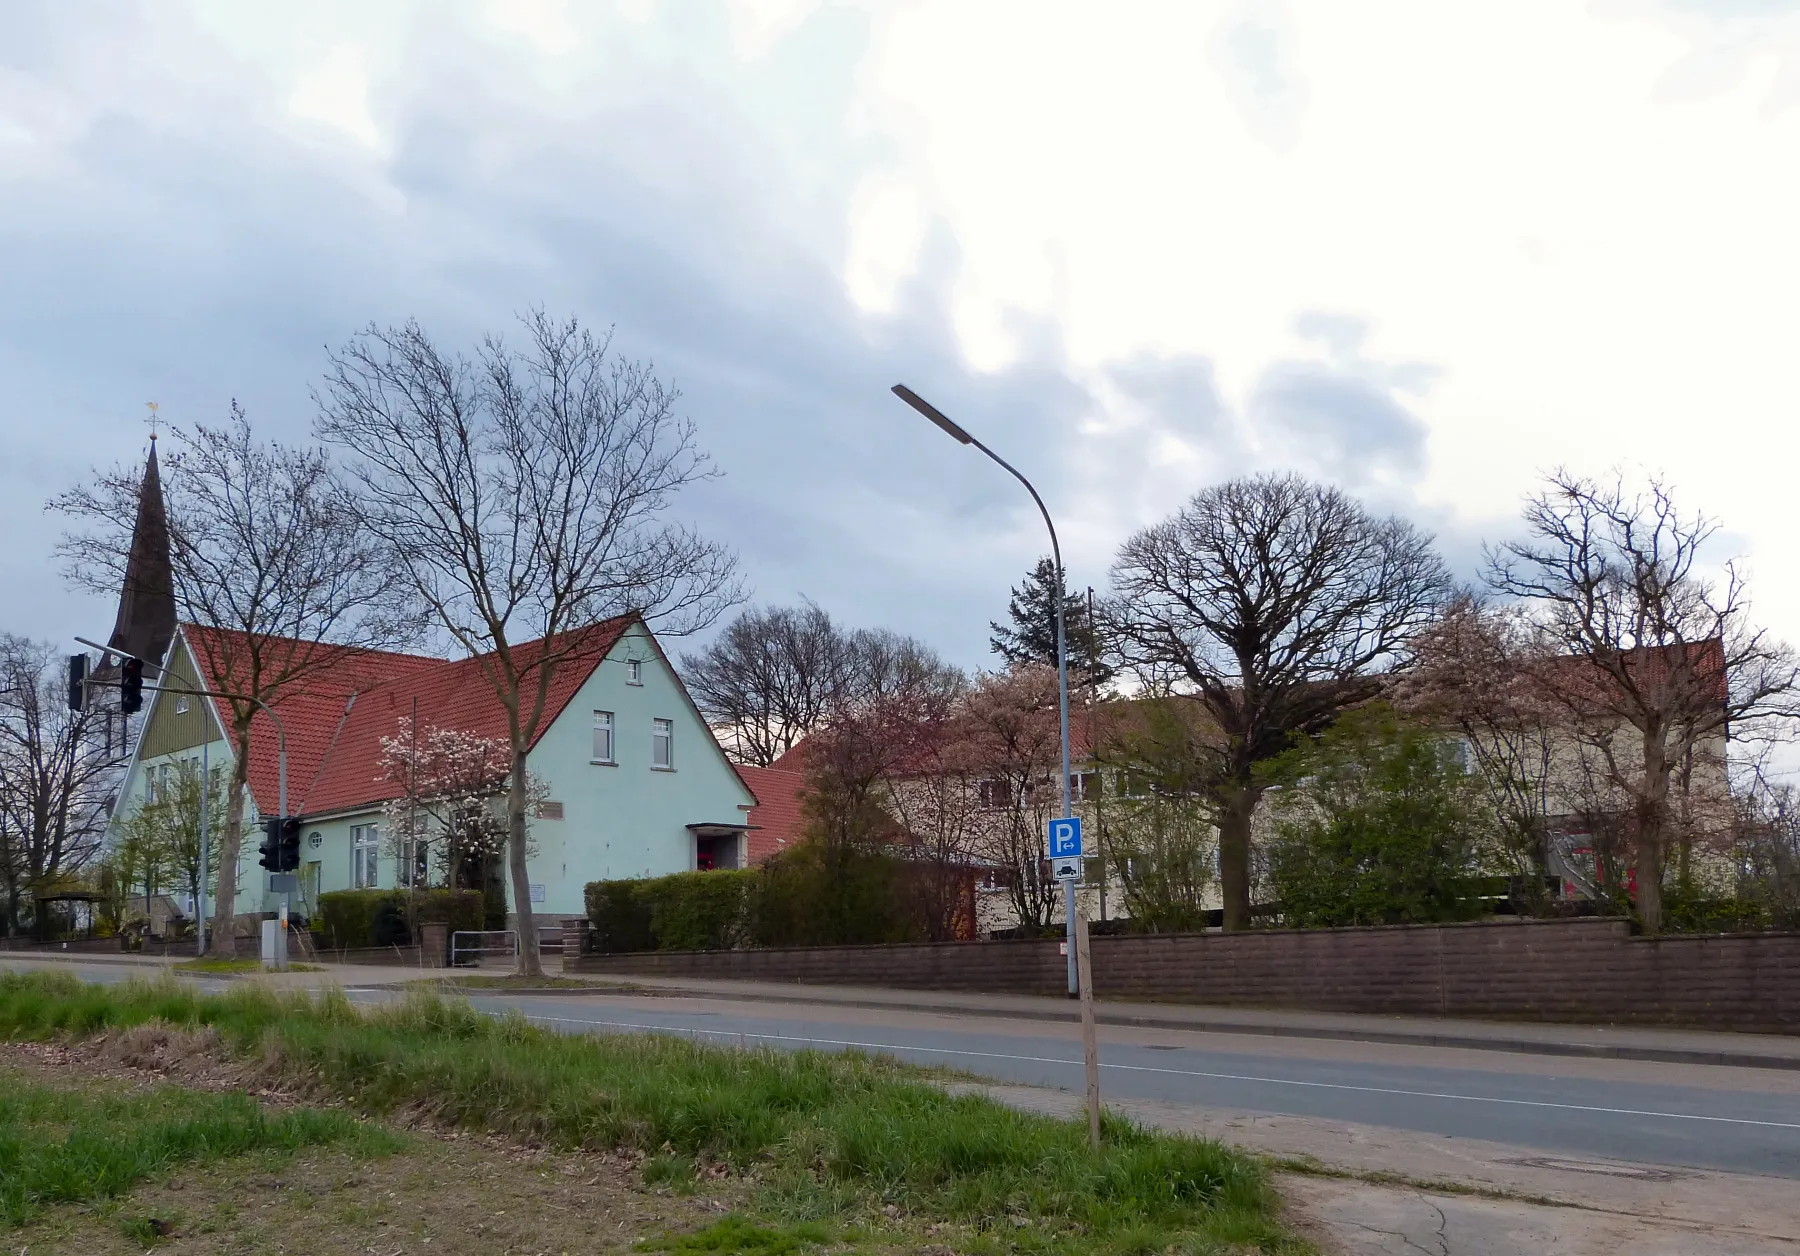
(444, 1194)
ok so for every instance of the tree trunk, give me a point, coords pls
(1234, 855)
(1652, 823)
(530, 963)
(224, 940)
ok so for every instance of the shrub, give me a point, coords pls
(460, 909)
(621, 917)
(352, 919)
(814, 895)
(806, 896)
(1379, 827)
(698, 911)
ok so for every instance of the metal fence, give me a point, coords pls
(468, 947)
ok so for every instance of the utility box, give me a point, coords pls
(274, 945)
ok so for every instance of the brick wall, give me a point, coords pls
(1575, 970)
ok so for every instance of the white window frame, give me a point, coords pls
(407, 873)
(662, 745)
(634, 671)
(365, 856)
(181, 704)
(604, 722)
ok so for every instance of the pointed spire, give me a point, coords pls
(146, 622)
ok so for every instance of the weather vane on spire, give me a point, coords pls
(151, 421)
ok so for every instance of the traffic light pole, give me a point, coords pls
(280, 735)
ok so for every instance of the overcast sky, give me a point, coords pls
(1423, 250)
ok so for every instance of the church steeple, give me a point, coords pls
(146, 622)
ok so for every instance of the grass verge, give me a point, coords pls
(211, 965)
(827, 1136)
(70, 1146)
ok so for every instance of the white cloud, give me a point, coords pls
(335, 91)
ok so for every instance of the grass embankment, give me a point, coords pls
(69, 1146)
(832, 1137)
(211, 965)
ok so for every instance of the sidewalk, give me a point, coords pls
(1675, 1046)
(1672, 1046)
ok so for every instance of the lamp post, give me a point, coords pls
(956, 432)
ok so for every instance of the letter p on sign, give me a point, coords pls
(1065, 838)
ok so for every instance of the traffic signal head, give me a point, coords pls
(131, 686)
(288, 851)
(270, 850)
(78, 674)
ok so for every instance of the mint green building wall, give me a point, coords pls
(628, 820)
(625, 820)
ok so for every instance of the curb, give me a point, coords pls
(1392, 1037)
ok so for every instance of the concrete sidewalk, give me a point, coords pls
(1677, 1046)
(1672, 1046)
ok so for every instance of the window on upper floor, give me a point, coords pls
(603, 737)
(181, 704)
(634, 672)
(994, 792)
(364, 858)
(662, 744)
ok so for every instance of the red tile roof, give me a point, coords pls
(337, 716)
(777, 821)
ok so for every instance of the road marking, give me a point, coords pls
(1175, 1072)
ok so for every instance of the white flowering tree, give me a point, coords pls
(449, 822)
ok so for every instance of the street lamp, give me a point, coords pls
(954, 430)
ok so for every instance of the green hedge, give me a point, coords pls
(353, 919)
(348, 918)
(802, 897)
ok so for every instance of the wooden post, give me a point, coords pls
(1090, 1048)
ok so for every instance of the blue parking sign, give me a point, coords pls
(1065, 838)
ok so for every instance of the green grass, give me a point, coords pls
(211, 965)
(828, 1136)
(73, 1146)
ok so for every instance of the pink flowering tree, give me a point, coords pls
(448, 822)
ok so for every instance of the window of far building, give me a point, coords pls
(662, 743)
(1083, 786)
(994, 792)
(603, 736)
(411, 871)
(364, 861)
(634, 672)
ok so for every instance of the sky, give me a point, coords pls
(1424, 251)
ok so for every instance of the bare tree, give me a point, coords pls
(267, 550)
(56, 779)
(770, 678)
(1475, 672)
(1013, 749)
(521, 497)
(1276, 602)
(1655, 647)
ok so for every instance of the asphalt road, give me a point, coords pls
(1681, 1115)
(1739, 1120)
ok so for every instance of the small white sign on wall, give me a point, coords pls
(537, 892)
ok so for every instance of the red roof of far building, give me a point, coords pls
(337, 716)
(777, 820)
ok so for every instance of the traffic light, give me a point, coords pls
(270, 850)
(288, 852)
(78, 674)
(131, 686)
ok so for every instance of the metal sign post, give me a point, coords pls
(1090, 1046)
